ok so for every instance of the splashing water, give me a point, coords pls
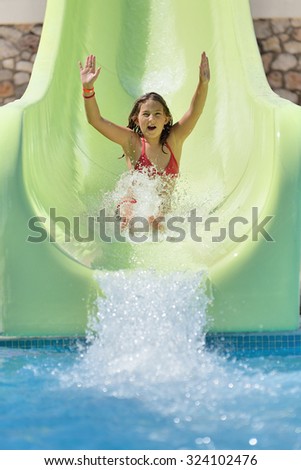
(149, 329)
(146, 191)
(151, 201)
(147, 350)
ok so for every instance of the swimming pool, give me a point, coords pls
(148, 380)
(227, 404)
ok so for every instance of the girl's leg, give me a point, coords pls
(124, 211)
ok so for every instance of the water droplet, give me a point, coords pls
(253, 441)
(203, 440)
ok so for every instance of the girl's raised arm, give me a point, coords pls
(118, 134)
(186, 124)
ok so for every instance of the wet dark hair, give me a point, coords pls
(136, 109)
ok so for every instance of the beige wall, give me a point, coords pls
(22, 11)
(275, 8)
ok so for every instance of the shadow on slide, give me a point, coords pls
(244, 157)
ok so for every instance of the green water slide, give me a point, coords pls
(245, 153)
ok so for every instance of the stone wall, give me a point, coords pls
(18, 48)
(279, 42)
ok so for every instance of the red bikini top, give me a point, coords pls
(171, 169)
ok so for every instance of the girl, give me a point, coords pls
(151, 142)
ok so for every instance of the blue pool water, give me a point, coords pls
(146, 381)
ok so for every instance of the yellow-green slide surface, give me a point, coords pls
(247, 145)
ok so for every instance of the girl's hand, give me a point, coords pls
(204, 69)
(89, 73)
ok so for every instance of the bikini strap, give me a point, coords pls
(168, 146)
(171, 152)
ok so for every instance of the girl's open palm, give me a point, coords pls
(89, 72)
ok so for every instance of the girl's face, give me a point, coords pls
(151, 119)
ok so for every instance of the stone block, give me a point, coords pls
(10, 33)
(271, 44)
(29, 42)
(262, 29)
(293, 81)
(24, 66)
(293, 47)
(6, 89)
(267, 60)
(280, 25)
(7, 49)
(284, 62)
(8, 64)
(297, 34)
(275, 79)
(6, 75)
(21, 77)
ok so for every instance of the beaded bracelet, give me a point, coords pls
(88, 90)
(90, 96)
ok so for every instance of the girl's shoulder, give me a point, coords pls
(172, 139)
(172, 136)
(133, 149)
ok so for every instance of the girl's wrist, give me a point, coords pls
(203, 82)
(88, 92)
(87, 89)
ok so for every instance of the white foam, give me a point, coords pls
(147, 192)
(149, 329)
